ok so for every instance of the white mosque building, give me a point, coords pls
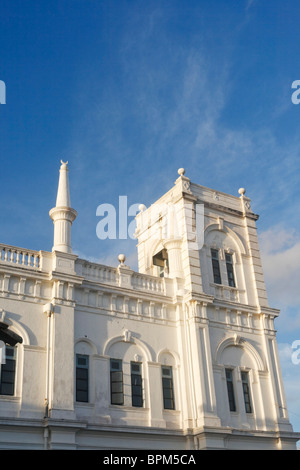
(181, 355)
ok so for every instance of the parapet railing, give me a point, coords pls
(37, 260)
(99, 272)
(146, 282)
(106, 274)
(19, 256)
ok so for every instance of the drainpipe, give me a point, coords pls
(46, 435)
(48, 309)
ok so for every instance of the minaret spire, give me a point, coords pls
(62, 214)
(63, 192)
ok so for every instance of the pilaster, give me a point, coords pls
(253, 247)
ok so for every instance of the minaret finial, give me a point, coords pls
(62, 214)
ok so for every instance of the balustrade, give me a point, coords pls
(19, 256)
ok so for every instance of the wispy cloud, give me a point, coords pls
(250, 3)
(280, 249)
(291, 377)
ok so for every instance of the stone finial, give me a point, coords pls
(245, 201)
(142, 207)
(121, 258)
(183, 182)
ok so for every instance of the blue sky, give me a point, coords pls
(130, 91)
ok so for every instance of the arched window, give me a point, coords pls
(223, 259)
(233, 380)
(168, 378)
(127, 373)
(239, 392)
(222, 266)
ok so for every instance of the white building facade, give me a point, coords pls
(181, 355)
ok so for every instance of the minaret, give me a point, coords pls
(62, 214)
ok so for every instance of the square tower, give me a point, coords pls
(206, 242)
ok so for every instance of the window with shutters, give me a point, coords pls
(136, 384)
(8, 372)
(82, 378)
(229, 268)
(246, 391)
(216, 266)
(230, 389)
(116, 382)
(168, 388)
